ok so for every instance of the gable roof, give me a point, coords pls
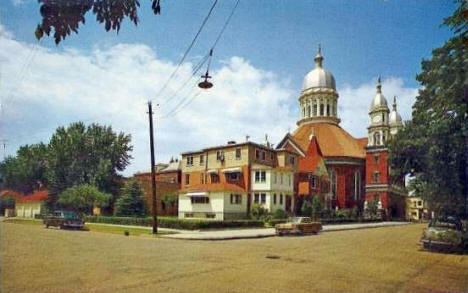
(313, 157)
(332, 140)
(288, 143)
(213, 187)
(38, 196)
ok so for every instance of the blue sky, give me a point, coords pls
(267, 49)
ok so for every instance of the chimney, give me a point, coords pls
(231, 142)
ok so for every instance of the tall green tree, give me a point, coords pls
(83, 198)
(434, 145)
(87, 155)
(132, 200)
(26, 171)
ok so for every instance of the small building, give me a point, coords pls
(416, 209)
(224, 182)
(168, 177)
(29, 205)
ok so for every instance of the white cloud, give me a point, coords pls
(354, 103)
(44, 88)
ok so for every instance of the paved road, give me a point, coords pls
(39, 260)
(268, 232)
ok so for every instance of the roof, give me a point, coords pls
(229, 146)
(333, 140)
(362, 142)
(10, 193)
(37, 196)
(213, 187)
(312, 159)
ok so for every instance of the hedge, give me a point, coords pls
(175, 223)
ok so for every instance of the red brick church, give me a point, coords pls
(348, 172)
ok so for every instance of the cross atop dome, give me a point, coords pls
(319, 58)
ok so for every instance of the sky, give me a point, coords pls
(257, 69)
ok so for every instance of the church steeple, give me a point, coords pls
(378, 116)
(396, 123)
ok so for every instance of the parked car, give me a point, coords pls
(445, 234)
(298, 226)
(64, 219)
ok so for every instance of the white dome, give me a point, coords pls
(318, 77)
(379, 101)
(395, 118)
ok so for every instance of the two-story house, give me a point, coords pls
(223, 182)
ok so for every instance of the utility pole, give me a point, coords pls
(4, 143)
(153, 174)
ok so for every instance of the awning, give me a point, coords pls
(232, 170)
(197, 193)
(212, 171)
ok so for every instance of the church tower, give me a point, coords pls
(379, 186)
(318, 101)
(379, 128)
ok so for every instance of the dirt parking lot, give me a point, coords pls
(35, 260)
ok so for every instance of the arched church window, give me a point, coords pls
(383, 117)
(328, 110)
(332, 182)
(321, 110)
(376, 138)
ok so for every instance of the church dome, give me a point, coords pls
(395, 118)
(379, 99)
(318, 77)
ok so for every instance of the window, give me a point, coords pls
(219, 155)
(263, 155)
(236, 199)
(238, 154)
(274, 198)
(210, 215)
(328, 110)
(420, 203)
(271, 156)
(273, 174)
(321, 110)
(257, 154)
(333, 182)
(232, 176)
(313, 181)
(214, 178)
(189, 160)
(308, 111)
(376, 177)
(356, 185)
(202, 159)
(292, 160)
(200, 199)
(315, 110)
(187, 179)
(189, 215)
(256, 198)
(260, 176)
(263, 198)
(281, 199)
(376, 159)
(376, 138)
(281, 178)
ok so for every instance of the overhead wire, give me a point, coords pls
(187, 50)
(210, 54)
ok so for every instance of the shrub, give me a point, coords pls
(280, 214)
(83, 198)
(175, 223)
(258, 212)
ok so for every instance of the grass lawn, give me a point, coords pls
(93, 227)
(388, 259)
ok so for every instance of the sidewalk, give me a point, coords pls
(268, 232)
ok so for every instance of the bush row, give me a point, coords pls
(175, 223)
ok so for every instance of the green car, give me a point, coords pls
(445, 234)
(64, 219)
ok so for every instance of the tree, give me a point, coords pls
(83, 199)
(26, 171)
(64, 16)
(132, 200)
(86, 155)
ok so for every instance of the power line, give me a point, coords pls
(188, 49)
